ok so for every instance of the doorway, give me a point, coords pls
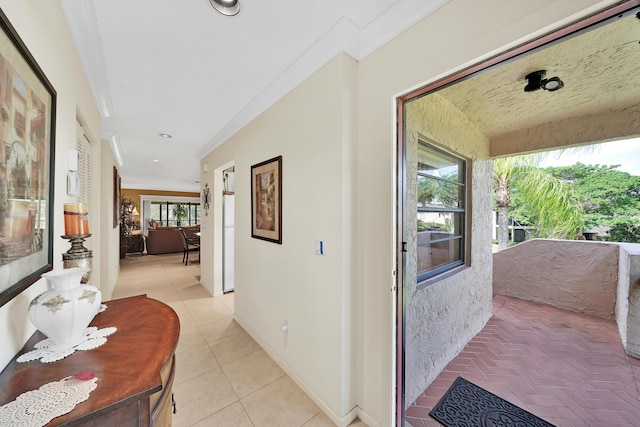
(228, 230)
(563, 117)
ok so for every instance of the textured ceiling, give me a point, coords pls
(600, 69)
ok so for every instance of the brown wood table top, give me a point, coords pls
(127, 365)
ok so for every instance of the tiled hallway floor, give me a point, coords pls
(567, 368)
(223, 377)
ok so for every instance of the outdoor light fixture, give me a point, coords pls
(226, 7)
(536, 80)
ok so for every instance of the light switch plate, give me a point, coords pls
(74, 160)
(73, 185)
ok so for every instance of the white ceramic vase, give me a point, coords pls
(64, 312)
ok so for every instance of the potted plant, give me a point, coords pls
(179, 213)
(126, 222)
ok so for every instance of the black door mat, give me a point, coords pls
(466, 404)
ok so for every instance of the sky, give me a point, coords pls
(625, 153)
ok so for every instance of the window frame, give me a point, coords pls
(425, 277)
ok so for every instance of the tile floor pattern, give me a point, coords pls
(567, 368)
(223, 377)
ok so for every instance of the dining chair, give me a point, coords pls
(190, 245)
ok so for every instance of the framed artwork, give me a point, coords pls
(266, 200)
(116, 197)
(27, 132)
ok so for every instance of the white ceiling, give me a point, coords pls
(181, 68)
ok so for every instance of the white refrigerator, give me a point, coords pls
(227, 243)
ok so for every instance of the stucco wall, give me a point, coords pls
(42, 27)
(628, 304)
(610, 125)
(577, 275)
(441, 318)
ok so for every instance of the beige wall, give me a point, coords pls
(311, 128)
(109, 259)
(611, 125)
(42, 27)
(576, 275)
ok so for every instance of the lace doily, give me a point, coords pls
(38, 407)
(47, 351)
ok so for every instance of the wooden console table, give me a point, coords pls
(135, 368)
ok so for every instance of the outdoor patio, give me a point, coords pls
(568, 368)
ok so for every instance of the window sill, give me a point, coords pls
(440, 277)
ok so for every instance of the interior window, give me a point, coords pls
(441, 211)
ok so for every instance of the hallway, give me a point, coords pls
(223, 377)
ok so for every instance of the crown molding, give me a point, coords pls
(343, 36)
(81, 19)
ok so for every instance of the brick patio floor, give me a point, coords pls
(568, 368)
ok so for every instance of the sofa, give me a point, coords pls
(166, 240)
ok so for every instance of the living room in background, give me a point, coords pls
(168, 214)
(146, 215)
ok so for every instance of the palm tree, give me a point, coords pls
(552, 208)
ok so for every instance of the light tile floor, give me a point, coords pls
(223, 377)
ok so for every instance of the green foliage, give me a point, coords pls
(625, 229)
(438, 192)
(534, 197)
(180, 213)
(607, 194)
(434, 226)
(602, 196)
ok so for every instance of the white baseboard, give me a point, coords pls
(335, 418)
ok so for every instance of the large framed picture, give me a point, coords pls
(266, 200)
(27, 130)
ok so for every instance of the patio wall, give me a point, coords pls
(575, 275)
(628, 308)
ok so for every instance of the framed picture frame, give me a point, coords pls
(266, 200)
(27, 149)
(116, 197)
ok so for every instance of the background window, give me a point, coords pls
(175, 213)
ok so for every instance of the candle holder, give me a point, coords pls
(78, 255)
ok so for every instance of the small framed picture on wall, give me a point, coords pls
(266, 200)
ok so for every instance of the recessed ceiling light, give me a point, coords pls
(155, 161)
(226, 7)
(165, 135)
